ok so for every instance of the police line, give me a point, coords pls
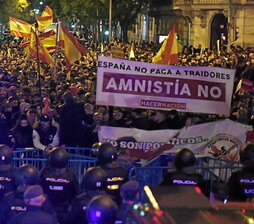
(152, 86)
(221, 139)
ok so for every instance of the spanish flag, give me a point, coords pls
(19, 28)
(168, 54)
(73, 50)
(46, 18)
(48, 40)
(43, 54)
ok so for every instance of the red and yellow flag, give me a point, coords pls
(73, 50)
(43, 54)
(46, 18)
(168, 53)
(19, 28)
(48, 40)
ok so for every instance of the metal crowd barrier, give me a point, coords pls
(213, 170)
(78, 162)
(74, 152)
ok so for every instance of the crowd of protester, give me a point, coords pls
(59, 109)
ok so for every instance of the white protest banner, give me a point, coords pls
(152, 86)
(220, 139)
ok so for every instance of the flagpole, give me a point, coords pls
(56, 50)
(38, 61)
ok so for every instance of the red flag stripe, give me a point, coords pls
(74, 40)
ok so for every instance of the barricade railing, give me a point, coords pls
(79, 166)
(74, 152)
(213, 170)
(77, 162)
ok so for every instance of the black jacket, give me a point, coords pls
(7, 181)
(13, 203)
(23, 136)
(179, 177)
(241, 185)
(32, 215)
(71, 124)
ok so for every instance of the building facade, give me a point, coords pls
(200, 22)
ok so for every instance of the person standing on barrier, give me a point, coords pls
(184, 173)
(45, 136)
(59, 182)
(101, 210)
(241, 183)
(116, 175)
(34, 199)
(94, 183)
(13, 202)
(7, 171)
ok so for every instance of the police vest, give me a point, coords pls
(7, 182)
(59, 186)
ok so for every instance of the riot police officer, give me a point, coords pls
(34, 199)
(184, 173)
(100, 210)
(13, 202)
(116, 175)
(7, 171)
(241, 182)
(94, 183)
(59, 182)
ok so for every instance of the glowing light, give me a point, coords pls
(250, 220)
(41, 3)
(151, 198)
(98, 214)
(142, 213)
(197, 189)
(106, 32)
(135, 207)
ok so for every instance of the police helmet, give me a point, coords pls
(27, 175)
(58, 158)
(94, 179)
(107, 153)
(5, 155)
(247, 155)
(101, 210)
(184, 158)
(95, 148)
